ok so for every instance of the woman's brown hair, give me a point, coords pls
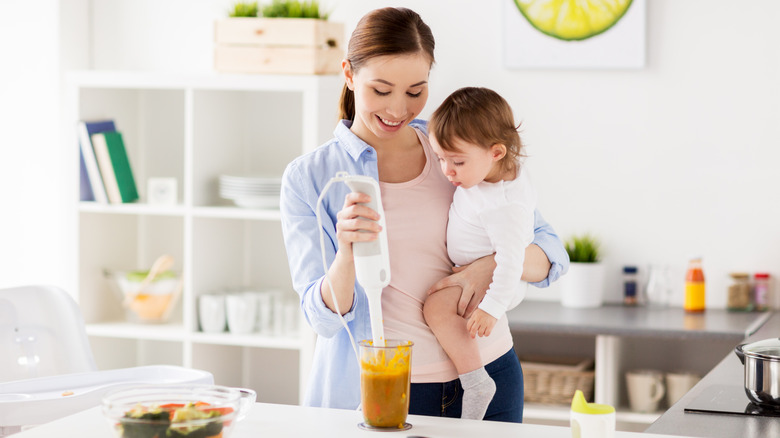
(479, 116)
(386, 31)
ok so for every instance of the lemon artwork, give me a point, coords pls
(573, 20)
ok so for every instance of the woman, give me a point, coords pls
(386, 71)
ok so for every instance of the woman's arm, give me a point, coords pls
(545, 261)
(301, 232)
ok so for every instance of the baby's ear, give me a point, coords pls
(498, 150)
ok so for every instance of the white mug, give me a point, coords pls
(679, 383)
(211, 312)
(645, 389)
(264, 312)
(241, 312)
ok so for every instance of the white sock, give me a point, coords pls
(478, 390)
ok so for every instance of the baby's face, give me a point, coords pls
(469, 165)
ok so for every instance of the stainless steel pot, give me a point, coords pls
(762, 370)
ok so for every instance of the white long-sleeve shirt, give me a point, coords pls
(494, 218)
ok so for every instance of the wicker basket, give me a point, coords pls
(553, 380)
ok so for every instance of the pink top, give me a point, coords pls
(417, 212)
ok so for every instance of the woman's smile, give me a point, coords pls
(390, 123)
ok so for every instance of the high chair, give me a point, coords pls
(47, 370)
(41, 334)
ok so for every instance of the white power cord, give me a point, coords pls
(340, 177)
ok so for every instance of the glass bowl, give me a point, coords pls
(151, 305)
(176, 411)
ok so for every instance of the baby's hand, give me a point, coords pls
(480, 324)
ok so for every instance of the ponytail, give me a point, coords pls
(347, 104)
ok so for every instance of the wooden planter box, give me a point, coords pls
(278, 46)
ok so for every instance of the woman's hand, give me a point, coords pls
(480, 324)
(473, 280)
(354, 223)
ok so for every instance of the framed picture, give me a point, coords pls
(551, 34)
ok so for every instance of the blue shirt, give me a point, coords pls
(335, 376)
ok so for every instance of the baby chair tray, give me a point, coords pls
(40, 400)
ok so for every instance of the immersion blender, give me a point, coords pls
(372, 263)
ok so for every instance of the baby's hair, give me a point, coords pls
(385, 31)
(479, 116)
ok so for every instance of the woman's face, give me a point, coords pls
(390, 91)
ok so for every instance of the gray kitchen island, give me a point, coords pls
(621, 332)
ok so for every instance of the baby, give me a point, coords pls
(474, 134)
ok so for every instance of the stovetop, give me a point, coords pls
(728, 399)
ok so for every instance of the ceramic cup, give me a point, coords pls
(645, 389)
(679, 383)
(264, 312)
(211, 312)
(241, 311)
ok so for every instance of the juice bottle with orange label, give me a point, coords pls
(694, 287)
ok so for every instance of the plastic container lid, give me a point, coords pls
(630, 269)
(580, 405)
(762, 275)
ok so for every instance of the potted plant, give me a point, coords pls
(583, 285)
(284, 36)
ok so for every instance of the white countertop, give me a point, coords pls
(281, 421)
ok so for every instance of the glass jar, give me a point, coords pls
(739, 292)
(658, 289)
(761, 291)
(630, 285)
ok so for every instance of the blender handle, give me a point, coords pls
(740, 353)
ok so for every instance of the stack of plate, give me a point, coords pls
(251, 191)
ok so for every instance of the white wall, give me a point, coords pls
(674, 159)
(32, 202)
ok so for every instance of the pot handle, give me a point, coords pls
(740, 354)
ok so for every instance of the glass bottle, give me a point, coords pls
(694, 287)
(630, 286)
(761, 291)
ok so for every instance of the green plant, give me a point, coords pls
(583, 249)
(244, 9)
(294, 9)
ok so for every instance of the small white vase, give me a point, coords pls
(583, 285)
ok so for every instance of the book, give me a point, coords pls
(114, 167)
(85, 131)
(85, 189)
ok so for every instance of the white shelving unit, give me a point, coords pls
(195, 128)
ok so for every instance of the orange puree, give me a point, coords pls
(385, 377)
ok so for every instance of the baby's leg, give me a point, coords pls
(441, 314)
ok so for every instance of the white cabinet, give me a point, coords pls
(195, 128)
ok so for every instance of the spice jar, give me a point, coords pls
(630, 286)
(761, 291)
(739, 292)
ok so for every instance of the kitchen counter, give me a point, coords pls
(280, 421)
(614, 325)
(728, 372)
(619, 320)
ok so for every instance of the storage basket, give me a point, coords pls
(553, 380)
